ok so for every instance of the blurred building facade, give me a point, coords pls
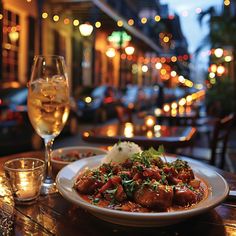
(17, 39)
(53, 27)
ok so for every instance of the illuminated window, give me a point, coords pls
(10, 50)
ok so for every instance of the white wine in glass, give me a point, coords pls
(48, 106)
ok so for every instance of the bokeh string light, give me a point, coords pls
(164, 38)
(144, 20)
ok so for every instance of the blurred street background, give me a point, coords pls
(174, 56)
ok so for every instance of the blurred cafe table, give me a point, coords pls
(53, 215)
(171, 137)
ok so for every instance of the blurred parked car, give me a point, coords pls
(150, 96)
(100, 104)
(16, 131)
(172, 94)
(134, 98)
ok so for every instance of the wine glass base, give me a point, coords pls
(48, 188)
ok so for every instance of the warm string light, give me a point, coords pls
(75, 22)
(157, 60)
(218, 69)
(56, 18)
(131, 22)
(166, 73)
(226, 2)
(98, 24)
(181, 106)
(163, 60)
(186, 82)
(120, 23)
(44, 15)
(144, 20)
(157, 18)
(228, 58)
(66, 21)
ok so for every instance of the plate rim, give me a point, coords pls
(140, 215)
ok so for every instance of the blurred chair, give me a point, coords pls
(124, 114)
(216, 153)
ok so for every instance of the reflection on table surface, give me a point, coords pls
(174, 112)
(130, 130)
(170, 136)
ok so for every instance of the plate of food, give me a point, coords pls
(142, 188)
(64, 156)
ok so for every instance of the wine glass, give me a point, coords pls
(48, 106)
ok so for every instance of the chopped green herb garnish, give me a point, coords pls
(96, 174)
(124, 176)
(155, 185)
(95, 200)
(148, 156)
(180, 164)
(111, 191)
(129, 187)
(139, 168)
(146, 182)
(163, 179)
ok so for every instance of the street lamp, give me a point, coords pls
(120, 39)
(144, 68)
(86, 29)
(219, 52)
(14, 36)
(111, 52)
(129, 50)
(158, 65)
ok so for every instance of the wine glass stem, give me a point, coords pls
(48, 151)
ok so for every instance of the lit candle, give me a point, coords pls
(129, 130)
(150, 134)
(26, 188)
(25, 176)
(150, 121)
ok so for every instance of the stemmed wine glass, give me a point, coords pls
(48, 106)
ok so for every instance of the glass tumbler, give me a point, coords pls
(25, 176)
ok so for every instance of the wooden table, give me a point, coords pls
(53, 215)
(171, 137)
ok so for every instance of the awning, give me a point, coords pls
(114, 15)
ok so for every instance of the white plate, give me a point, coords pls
(218, 191)
(57, 164)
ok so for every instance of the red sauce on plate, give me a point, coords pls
(144, 183)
